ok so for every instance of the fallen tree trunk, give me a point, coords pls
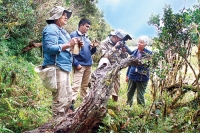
(93, 108)
(31, 46)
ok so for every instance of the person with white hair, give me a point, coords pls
(138, 76)
(111, 48)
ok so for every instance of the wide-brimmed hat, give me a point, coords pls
(57, 12)
(119, 33)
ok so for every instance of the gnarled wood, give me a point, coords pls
(93, 108)
(31, 46)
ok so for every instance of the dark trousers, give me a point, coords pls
(141, 87)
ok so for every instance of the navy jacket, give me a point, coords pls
(84, 58)
(138, 73)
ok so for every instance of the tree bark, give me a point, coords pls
(93, 108)
(31, 46)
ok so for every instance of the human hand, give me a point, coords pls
(79, 67)
(118, 44)
(95, 43)
(72, 42)
(75, 45)
(126, 79)
(123, 49)
(80, 42)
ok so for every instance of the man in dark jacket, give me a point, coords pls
(138, 76)
(83, 60)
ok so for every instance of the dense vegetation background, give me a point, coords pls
(173, 96)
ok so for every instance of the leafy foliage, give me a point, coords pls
(178, 34)
(25, 104)
(174, 104)
(17, 24)
(88, 9)
(20, 96)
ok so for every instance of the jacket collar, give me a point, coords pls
(81, 34)
(145, 50)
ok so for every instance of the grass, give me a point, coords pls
(122, 92)
(134, 119)
(124, 114)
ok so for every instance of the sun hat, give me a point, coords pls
(56, 12)
(119, 33)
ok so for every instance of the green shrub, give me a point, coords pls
(17, 24)
(25, 104)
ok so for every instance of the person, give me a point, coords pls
(83, 61)
(112, 49)
(138, 76)
(56, 44)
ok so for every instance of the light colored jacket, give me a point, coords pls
(108, 51)
(52, 41)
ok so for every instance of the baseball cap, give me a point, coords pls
(119, 33)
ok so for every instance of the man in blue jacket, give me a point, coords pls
(138, 76)
(83, 61)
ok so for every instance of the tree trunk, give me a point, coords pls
(31, 46)
(93, 108)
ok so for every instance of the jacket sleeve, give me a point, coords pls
(106, 51)
(50, 43)
(128, 71)
(93, 50)
(75, 62)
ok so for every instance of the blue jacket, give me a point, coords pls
(138, 73)
(52, 41)
(84, 58)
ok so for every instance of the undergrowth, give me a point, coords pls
(25, 103)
